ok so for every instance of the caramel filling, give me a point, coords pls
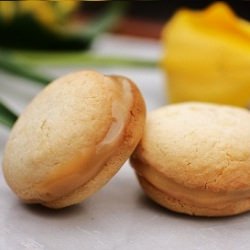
(85, 166)
(196, 197)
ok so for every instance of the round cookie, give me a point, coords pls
(194, 158)
(73, 137)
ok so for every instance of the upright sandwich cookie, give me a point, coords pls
(195, 158)
(73, 137)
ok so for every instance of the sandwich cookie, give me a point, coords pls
(73, 137)
(194, 158)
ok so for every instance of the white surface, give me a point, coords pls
(119, 216)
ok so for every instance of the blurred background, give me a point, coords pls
(154, 14)
(198, 50)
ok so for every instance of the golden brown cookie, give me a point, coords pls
(194, 158)
(73, 137)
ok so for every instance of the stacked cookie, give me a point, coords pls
(75, 135)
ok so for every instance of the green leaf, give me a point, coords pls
(7, 117)
(75, 58)
(107, 20)
(19, 68)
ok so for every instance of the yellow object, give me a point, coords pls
(43, 11)
(207, 56)
(7, 10)
(47, 13)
